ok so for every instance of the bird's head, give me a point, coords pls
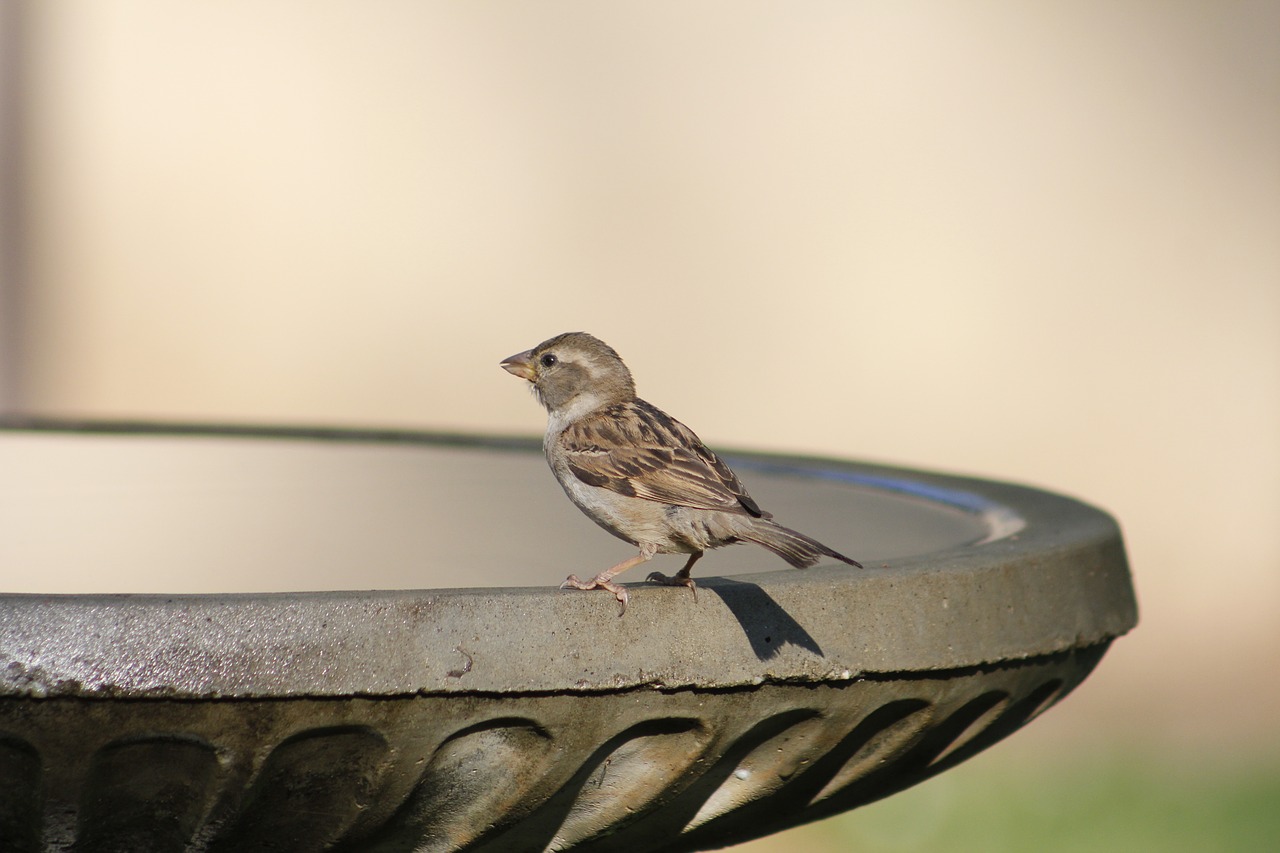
(574, 371)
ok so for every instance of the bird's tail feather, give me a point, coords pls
(797, 549)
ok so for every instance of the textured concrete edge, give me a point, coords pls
(1059, 583)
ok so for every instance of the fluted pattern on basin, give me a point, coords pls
(638, 770)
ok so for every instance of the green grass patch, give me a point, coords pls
(1072, 805)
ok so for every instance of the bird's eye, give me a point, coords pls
(549, 360)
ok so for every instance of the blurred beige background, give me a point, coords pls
(1038, 242)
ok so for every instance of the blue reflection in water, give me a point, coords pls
(1001, 521)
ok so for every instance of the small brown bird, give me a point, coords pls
(638, 472)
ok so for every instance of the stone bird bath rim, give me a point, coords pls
(517, 717)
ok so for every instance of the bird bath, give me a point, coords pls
(184, 667)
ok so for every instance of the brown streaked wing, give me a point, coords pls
(636, 449)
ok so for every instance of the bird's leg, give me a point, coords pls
(681, 578)
(604, 580)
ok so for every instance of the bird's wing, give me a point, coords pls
(636, 449)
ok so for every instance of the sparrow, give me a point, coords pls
(638, 472)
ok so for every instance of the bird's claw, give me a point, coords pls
(600, 581)
(678, 580)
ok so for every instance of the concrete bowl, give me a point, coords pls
(241, 639)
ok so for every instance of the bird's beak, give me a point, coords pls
(520, 364)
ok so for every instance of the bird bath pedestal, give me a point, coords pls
(164, 686)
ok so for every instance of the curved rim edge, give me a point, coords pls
(1051, 577)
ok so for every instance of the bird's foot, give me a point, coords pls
(600, 581)
(678, 580)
